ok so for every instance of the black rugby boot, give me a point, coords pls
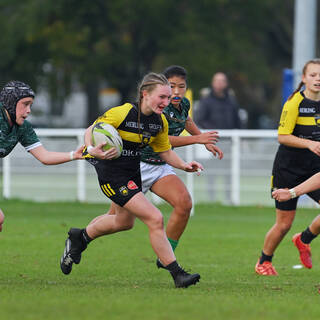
(74, 246)
(182, 279)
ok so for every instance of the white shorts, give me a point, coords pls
(151, 173)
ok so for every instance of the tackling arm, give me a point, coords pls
(51, 157)
(197, 136)
(174, 160)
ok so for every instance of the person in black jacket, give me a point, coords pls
(219, 109)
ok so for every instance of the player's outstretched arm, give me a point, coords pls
(51, 157)
(309, 185)
(174, 160)
(197, 137)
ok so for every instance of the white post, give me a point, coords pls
(81, 175)
(304, 40)
(6, 177)
(235, 169)
(190, 176)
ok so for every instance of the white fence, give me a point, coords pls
(241, 178)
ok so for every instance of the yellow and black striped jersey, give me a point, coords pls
(301, 117)
(151, 130)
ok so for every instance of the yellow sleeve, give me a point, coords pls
(161, 143)
(289, 114)
(115, 115)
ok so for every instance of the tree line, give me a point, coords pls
(54, 43)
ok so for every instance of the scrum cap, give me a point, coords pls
(11, 93)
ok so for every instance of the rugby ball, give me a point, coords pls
(105, 132)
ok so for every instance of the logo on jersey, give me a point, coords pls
(131, 185)
(146, 136)
(134, 124)
(130, 153)
(307, 110)
(171, 117)
(317, 119)
(124, 191)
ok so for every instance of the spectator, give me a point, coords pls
(218, 109)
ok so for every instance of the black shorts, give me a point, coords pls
(120, 187)
(289, 171)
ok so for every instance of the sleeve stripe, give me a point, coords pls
(33, 146)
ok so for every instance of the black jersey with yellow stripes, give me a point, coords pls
(301, 117)
(136, 134)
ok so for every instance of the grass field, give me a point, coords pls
(117, 278)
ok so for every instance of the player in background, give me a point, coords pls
(157, 175)
(120, 179)
(16, 99)
(297, 159)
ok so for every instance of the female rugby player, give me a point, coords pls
(120, 179)
(16, 99)
(297, 159)
(157, 175)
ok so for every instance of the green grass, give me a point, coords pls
(117, 278)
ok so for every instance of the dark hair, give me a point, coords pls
(174, 70)
(301, 84)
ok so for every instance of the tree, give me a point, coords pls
(119, 41)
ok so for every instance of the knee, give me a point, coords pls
(126, 226)
(183, 206)
(157, 222)
(284, 227)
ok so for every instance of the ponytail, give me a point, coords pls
(301, 84)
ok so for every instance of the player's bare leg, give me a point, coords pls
(172, 189)
(111, 211)
(315, 225)
(107, 224)
(284, 220)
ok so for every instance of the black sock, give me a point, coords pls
(174, 268)
(307, 236)
(85, 236)
(265, 257)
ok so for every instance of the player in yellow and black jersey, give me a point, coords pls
(120, 178)
(297, 159)
(150, 130)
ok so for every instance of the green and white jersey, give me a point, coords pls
(10, 136)
(177, 122)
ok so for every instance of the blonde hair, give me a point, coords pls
(301, 84)
(149, 83)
